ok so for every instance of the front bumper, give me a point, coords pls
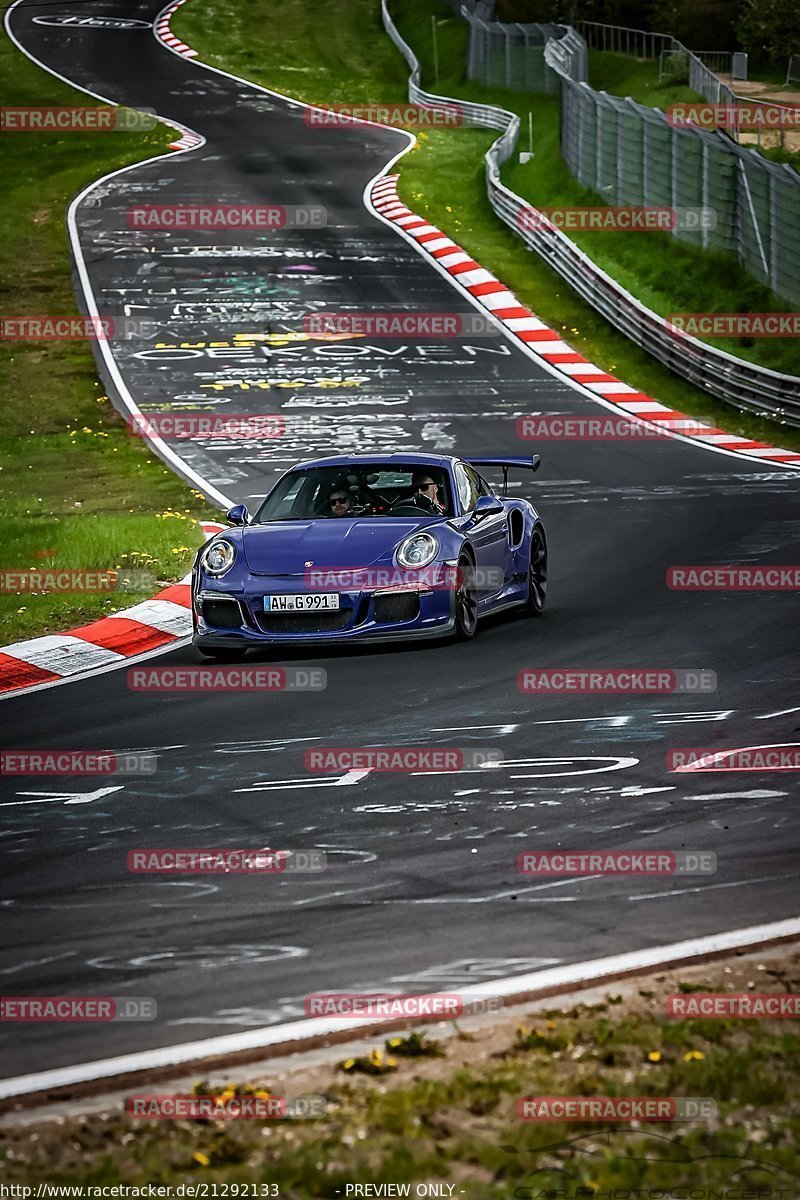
(233, 618)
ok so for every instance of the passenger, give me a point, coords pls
(426, 495)
(341, 503)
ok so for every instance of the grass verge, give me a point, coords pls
(624, 75)
(444, 1109)
(350, 58)
(76, 490)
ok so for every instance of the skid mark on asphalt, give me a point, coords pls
(449, 975)
(204, 957)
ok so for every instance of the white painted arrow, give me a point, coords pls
(272, 785)
(67, 797)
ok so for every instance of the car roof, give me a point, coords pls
(345, 460)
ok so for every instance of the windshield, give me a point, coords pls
(363, 490)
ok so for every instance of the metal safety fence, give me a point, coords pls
(510, 56)
(742, 384)
(633, 154)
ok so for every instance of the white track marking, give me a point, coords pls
(37, 962)
(158, 444)
(756, 794)
(714, 760)
(570, 975)
(67, 797)
(708, 887)
(290, 785)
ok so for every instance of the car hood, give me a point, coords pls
(287, 547)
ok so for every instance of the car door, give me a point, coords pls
(488, 536)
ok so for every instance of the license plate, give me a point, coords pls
(304, 602)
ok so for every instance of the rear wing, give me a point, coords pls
(526, 463)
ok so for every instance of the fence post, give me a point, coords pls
(704, 193)
(773, 222)
(674, 179)
(435, 50)
(753, 218)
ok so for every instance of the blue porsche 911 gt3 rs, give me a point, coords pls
(367, 548)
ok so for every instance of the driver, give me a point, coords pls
(426, 493)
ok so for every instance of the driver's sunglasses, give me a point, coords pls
(425, 487)
(339, 499)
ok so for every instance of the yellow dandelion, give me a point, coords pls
(203, 1159)
(693, 1056)
(348, 1064)
(654, 1056)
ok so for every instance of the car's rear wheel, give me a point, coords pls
(466, 600)
(537, 575)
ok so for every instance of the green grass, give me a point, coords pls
(780, 154)
(71, 478)
(450, 1114)
(158, 550)
(623, 75)
(443, 178)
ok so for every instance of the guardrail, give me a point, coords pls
(742, 384)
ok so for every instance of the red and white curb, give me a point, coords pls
(165, 34)
(187, 141)
(148, 626)
(546, 343)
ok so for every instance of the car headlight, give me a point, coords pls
(418, 550)
(218, 557)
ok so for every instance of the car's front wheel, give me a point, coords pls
(537, 575)
(466, 600)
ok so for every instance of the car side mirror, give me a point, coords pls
(487, 506)
(238, 515)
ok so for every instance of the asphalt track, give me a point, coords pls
(421, 891)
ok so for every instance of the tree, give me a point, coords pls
(700, 24)
(768, 30)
